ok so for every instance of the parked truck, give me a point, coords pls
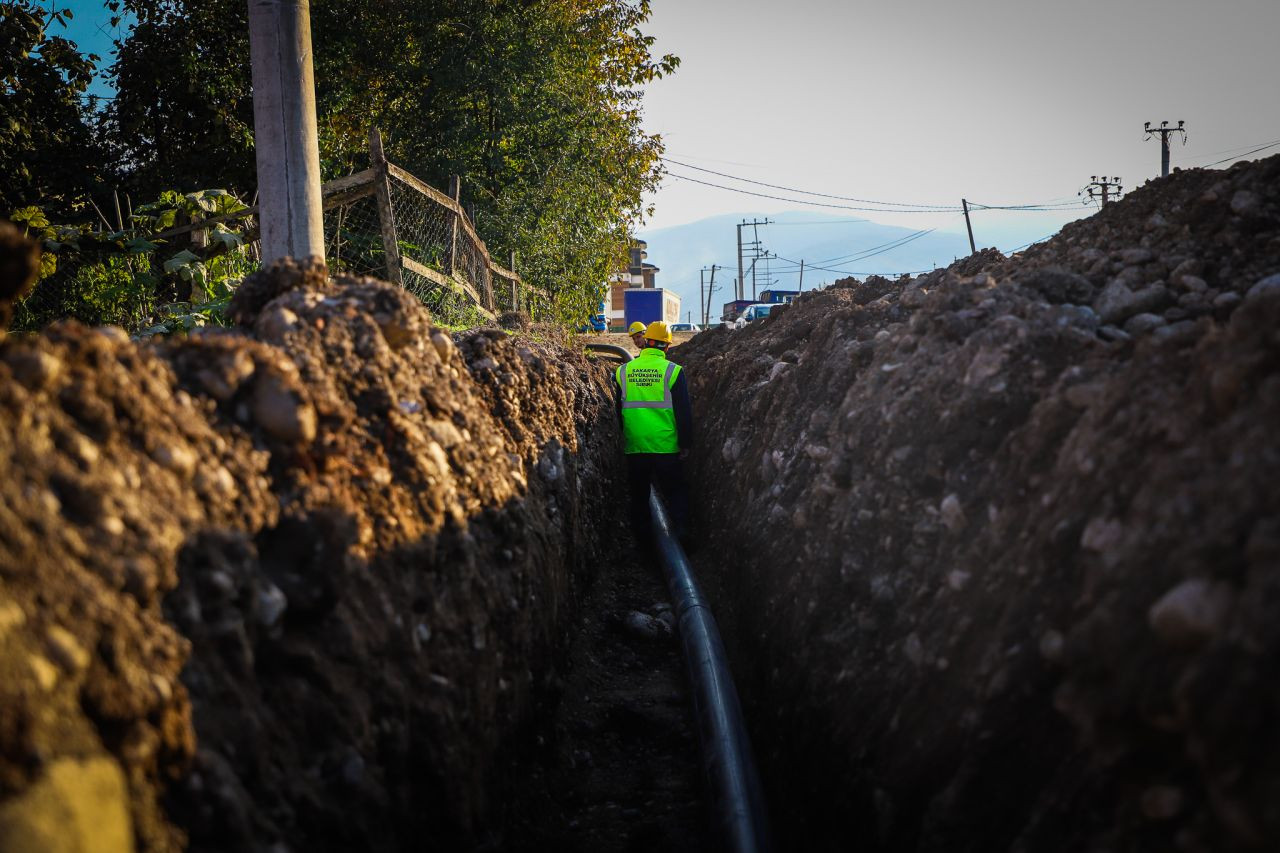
(649, 304)
(732, 310)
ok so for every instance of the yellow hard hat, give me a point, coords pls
(658, 331)
(637, 326)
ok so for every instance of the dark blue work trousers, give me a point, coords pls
(666, 472)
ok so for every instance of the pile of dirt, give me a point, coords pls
(286, 587)
(998, 548)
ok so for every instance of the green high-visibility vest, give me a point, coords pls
(648, 415)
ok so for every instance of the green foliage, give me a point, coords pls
(535, 103)
(183, 111)
(128, 280)
(107, 290)
(47, 155)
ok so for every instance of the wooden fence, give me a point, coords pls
(386, 222)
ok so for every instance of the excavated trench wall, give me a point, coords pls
(291, 587)
(997, 549)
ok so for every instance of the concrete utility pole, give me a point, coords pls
(1103, 188)
(737, 285)
(1164, 130)
(755, 244)
(973, 250)
(291, 215)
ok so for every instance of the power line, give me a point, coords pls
(855, 272)
(914, 208)
(807, 192)
(875, 250)
(822, 222)
(813, 203)
(1241, 156)
(1032, 243)
(861, 257)
(864, 253)
(1224, 151)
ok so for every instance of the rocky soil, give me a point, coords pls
(294, 586)
(998, 548)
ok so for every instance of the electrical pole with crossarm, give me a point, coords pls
(755, 247)
(1164, 130)
(1103, 188)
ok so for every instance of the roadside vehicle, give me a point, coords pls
(685, 327)
(758, 311)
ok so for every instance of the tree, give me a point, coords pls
(47, 153)
(183, 112)
(534, 103)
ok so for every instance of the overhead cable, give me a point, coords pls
(810, 192)
(814, 203)
(1225, 151)
(907, 206)
(1241, 156)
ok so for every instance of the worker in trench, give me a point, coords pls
(657, 431)
(636, 331)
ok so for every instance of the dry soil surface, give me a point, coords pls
(296, 586)
(998, 548)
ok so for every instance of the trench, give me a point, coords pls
(609, 761)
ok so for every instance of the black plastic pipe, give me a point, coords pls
(730, 769)
(608, 350)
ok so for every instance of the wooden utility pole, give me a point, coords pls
(455, 192)
(386, 214)
(515, 288)
(711, 290)
(702, 297)
(291, 216)
(973, 249)
(801, 288)
(705, 292)
(1164, 130)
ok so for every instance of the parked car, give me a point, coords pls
(758, 311)
(685, 327)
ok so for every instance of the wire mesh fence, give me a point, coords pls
(353, 238)
(381, 222)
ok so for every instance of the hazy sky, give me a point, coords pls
(926, 102)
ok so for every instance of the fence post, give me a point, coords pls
(386, 216)
(515, 283)
(455, 193)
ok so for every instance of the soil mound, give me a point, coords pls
(286, 589)
(999, 544)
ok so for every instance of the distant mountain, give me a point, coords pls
(832, 248)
